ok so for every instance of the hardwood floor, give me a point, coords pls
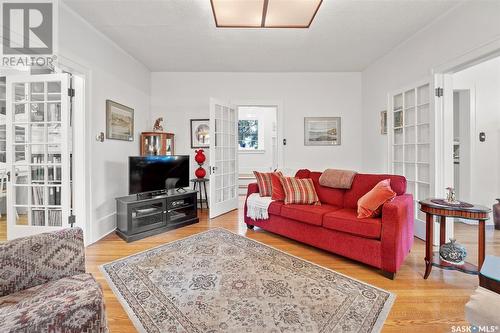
(431, 305)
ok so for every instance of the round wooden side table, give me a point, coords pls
(432, 209)
(199, 182)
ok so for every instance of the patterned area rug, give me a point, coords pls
(217, 281)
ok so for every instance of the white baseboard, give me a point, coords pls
(103, 227)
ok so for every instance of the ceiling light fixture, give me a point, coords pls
(264, 13)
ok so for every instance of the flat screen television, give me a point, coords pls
(155, 173)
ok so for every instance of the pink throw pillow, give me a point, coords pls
(370, 204)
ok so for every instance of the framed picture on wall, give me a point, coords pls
(322, 131)
(200, 136)
(383, 122)
(119, 121)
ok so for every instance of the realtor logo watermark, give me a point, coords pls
(474, 329)
(28, 33)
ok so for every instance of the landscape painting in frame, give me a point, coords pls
(119, 121)
(322, 131)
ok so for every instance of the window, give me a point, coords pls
(248, 134)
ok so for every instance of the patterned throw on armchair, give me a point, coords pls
(44, 287)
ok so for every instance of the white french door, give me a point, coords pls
(416, 141)
(38, 153)
(223, 158)
(411, 143)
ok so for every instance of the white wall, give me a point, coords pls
(261, 159)
(112, 74)
(483, 81)
(464, 28)
(178, 97)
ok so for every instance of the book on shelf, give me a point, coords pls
(38, 218)
(54, 196)
(37, 195)
(55, 218)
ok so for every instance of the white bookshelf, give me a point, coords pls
(410, 138)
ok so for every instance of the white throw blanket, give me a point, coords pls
(257, 207)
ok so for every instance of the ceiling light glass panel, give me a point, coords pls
(291, 13)
(238, 13)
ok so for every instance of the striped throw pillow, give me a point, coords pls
(299, 191)
(265, 182)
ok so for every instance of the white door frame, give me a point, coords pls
(81, 145)
(279, 123)
(471, 137)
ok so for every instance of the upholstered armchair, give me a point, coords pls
(44, 287)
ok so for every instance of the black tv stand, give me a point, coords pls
(146, 214)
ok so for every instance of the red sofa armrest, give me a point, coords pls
(252, 188)
(397, 231)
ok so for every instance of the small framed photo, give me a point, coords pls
(322, 131)
(200, 133)
(383, 122)
(119, 121)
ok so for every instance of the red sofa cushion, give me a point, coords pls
(278, 193)
(363, 183)
(307, 213)
(346, 220)
(275, 207)
(303, 173)
(328, 195)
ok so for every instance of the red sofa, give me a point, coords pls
(380, 242)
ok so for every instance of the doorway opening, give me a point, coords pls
(476, 133)
(257, 142)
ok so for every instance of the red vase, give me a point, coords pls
(200, 173)
(199, 157)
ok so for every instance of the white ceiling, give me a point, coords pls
(180, 35)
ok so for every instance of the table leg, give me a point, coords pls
(429, 240)
(194, 186)
(201, 201)
(481, 244)
(442, 230)
(206, 196)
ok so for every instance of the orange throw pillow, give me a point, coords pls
(264, 182)
(278, 193)
(370, 204)
(299, 191)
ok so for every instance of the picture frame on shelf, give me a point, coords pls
(200, 133)
(383, 122)
(322, 131)
(119, 121)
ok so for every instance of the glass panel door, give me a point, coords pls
(223, 158)
(37, 153)
(410, 141)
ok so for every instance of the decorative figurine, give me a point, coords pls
(453, 252)
(451, 196)
(157, 127)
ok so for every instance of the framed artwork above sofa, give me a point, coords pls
(322, 131)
